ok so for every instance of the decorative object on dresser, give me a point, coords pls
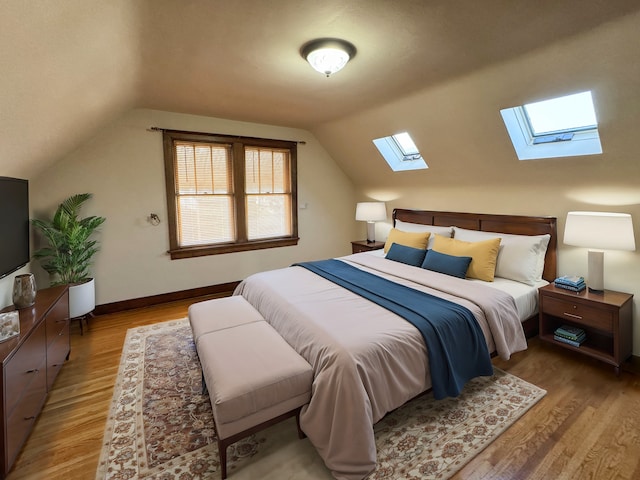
(9, 325)
(605, 318)
(24, 290)
(70, 251)
(602, 231)
(358, 246)
(30, 364)
(371, 212)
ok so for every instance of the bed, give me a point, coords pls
(367, 360)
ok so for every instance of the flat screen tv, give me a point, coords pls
(14, 224)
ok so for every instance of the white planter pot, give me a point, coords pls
(82, 299)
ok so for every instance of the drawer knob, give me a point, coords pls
(34, 370)
(30, 418)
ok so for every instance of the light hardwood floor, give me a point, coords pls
(587, 427)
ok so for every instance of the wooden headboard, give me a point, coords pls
(514, 224)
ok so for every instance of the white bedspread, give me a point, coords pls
(366, 360)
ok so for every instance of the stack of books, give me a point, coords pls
(570, 282)
(572, 335)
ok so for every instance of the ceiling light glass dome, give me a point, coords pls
(328, 55)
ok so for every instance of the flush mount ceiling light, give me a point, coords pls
(327, 55)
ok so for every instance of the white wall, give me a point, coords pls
(123, 167)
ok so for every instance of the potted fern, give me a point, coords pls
(70, 251)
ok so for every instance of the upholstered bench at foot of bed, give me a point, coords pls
(221, 313)
(254, 378)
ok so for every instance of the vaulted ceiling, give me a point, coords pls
(69, 67)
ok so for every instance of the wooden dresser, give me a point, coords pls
(30, 363)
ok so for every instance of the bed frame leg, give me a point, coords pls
(222, 452)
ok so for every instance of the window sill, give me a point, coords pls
(201, 251)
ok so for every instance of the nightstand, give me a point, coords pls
(605, 317)
(364, 246)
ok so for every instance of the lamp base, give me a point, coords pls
(371, 232)
(595, 272)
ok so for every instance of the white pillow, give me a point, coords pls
(420, 228)
(520, 258)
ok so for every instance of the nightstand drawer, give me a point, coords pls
(573, 311)
(359, 246)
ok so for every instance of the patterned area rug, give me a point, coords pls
(160, 425)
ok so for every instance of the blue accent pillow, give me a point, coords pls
(447, 264)
(404, 254)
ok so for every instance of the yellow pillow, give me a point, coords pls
(410, 239)
(483, 254)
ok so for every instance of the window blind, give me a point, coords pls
(204, 193)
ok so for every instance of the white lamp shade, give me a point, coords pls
(601, 230)
(371, 211)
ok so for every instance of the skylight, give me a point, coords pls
(400, 152)
(564, 114)
(559, 127)
(405, 142)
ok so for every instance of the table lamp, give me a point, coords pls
(599, 231)
(371, 212)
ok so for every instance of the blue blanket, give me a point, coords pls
(455, 343)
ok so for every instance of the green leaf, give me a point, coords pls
(70, 249)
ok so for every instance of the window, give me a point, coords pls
(568, 114)
(559, 127)
(228, 194)
(400, 152)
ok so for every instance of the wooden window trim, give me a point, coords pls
(242, 244)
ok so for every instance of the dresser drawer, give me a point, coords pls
(57, 320)
(56, 327)
(21, 420)
(26, 366)
(360, 246)
(573, 311)
(57, 352)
